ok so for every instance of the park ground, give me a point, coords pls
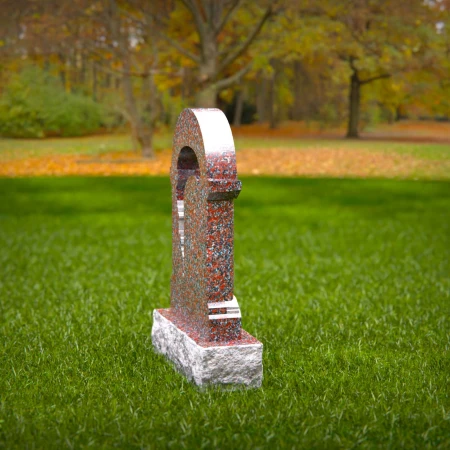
(401, 150)
(345, 281)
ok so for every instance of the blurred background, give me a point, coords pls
(340, 115)
(280, 69)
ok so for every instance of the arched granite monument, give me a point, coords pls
(201, 332)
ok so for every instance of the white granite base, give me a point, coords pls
(231, 365)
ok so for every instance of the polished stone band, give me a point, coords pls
(224, 310)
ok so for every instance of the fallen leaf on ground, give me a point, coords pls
(315, 161)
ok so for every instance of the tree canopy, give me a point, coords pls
(140, 62)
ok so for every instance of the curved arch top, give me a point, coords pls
(204, 185)
(204, 314)
(208, 134)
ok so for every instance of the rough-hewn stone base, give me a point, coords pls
(235, 364)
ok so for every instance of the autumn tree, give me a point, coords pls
(376, 40)
(293, 59)
(122, 38)
(296, 64)
(222, 33)
(104, 36)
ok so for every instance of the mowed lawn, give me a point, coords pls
(11, 149)
(346, 282)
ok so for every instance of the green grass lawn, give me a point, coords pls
(419, 150)
(94, 145)
(346, 282)
(21, 148)
(87, 145)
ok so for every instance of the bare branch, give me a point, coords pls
(351, 60)
(189, 5)
(227, 16)
(246, 44)
(179, 47)
(102, 68)
(226, 82)
(192, 7)
(377, 77)
(159, 29)
(204, 10)
(360, 41)
(168, 39)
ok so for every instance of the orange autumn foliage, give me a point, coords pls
(314, 161)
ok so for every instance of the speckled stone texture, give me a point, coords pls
(204, 185)
(238, 364)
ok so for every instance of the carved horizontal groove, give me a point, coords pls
(223, 189)
(224, 316)
(231, 307)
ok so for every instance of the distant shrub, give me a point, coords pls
(35, 104)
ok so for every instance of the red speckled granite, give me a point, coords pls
(204, 186)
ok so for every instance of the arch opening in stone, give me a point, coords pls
(187, 166)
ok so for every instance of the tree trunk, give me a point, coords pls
(262, 94)
(143, 134)
(398, 113)
(145, 139)
(62, 71)
(184, 83)
(207, 97)
(354, 106)
(94, 81)
(140, 132)
(83, 64)
(237, 119)
(214, 54)
(154, 106)
(299, 100)
(272, 109)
